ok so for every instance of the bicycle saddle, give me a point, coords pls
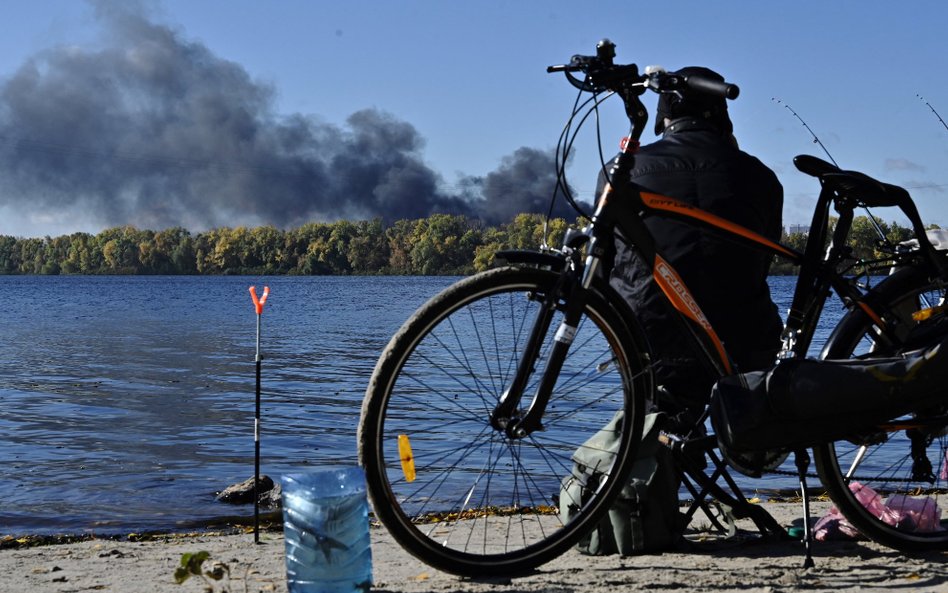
(853, 185)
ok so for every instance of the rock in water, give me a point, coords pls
(242, 493)
(273, 498)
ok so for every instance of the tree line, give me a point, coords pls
(863, 239)
(440, 244)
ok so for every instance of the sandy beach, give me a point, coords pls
(741, 564)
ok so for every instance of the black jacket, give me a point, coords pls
(696, 164)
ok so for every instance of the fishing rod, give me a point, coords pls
(816, 140)
(922, 99)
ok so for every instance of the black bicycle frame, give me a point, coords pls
(623, 206)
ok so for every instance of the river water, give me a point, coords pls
(126, 403)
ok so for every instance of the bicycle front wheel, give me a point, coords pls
(459, 494)
(891, 481)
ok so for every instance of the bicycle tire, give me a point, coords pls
(482, 502)
(882, 459)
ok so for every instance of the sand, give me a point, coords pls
(743, 564)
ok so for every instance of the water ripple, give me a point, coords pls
(128, 401)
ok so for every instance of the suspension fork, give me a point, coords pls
(574, 292)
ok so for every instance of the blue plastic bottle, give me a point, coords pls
(326, 528)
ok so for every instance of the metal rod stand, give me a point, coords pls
(256, 447)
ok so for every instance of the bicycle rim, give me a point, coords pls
(890, 493)
(479, 499)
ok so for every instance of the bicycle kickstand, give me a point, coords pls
(802, 459)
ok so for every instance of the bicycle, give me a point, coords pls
(478, 402)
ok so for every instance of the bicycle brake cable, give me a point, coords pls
(564, 146)
(559, 162)
(567, 140)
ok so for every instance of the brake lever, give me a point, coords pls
(577, 63)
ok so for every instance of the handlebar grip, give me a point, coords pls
(712, 87)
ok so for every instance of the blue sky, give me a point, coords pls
(470, 77)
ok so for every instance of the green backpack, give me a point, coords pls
(645, 517)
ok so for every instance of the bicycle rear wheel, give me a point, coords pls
(481, 502)
(900, 470)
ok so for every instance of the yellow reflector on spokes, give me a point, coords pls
(408, 460)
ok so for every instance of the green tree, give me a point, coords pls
(31, 256)
(326, 252)
(77, 254)
(526, 231)
(335, 252)
(174, 252)
(9, 255)
(368, 248)
(224, 249)
(795, 240)
(863, 238)
(493, 240)
(203, 245)
(55, 255)
(149, 257)
(302, 245)
(91, 258)
(265, 251)
(444, 244)
(120, 249)
(399, 239)
(898, 233)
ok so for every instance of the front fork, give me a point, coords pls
(573, 287)
(570, 295)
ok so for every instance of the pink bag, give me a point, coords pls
(921, 515)
(902, 512)
(834, 526)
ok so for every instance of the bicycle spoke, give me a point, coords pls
(441, 477)
(426, 404)
(478, 495)
(467, 370)
(898, 469)
(856, 461)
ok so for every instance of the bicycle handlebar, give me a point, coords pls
(603, 75)
(709, 86)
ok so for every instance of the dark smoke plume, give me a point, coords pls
(156, 131)
(521, 184)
